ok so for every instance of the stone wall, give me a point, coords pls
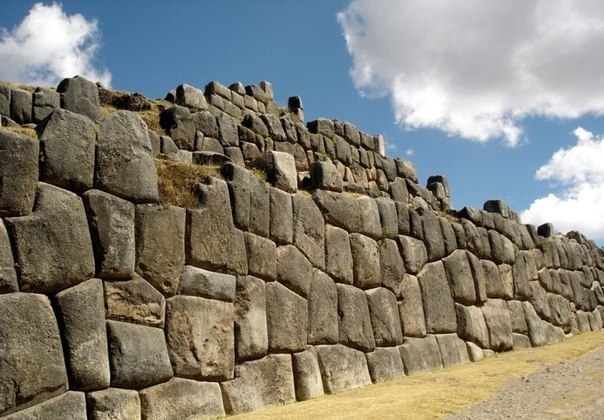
(310, 263)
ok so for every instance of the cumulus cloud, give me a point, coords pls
(476, 68)
(579, 173)
(48, 46)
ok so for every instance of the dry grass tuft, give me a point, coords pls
(13, 85)
(151, 118)
(178, 182)
(30, 132)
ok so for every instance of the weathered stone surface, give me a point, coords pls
(275, 129)
(260, 383)
(18, 173)
(517, 317)
(340, 210)
(499, 324)
(325, 176)
(522, 290)
(262, 256)
(499, 280)
(81, 96)
(342, 368)
(420, 354)
(208, 284)
(180, 124)
(182, 399)
(67, 142)
(251, 336)
(21, 104)
(391, 265)
(411, 309)
(135, 301)
(31, 357)
(124, 162)
(160, 245)
(293, 269)
(453, 350)
(413, 252)
(213, 242)
(521, 341)
(113, 404)
(366, 261)
(309, 230)
(200, 337)
(138, 355)
(81, 311)
(384, 315)
(191, 97)
(322, 310)
(438, 303)
(459, 276)
(433, 236)
(228, 135)
(111, 221)
(8, 275)
(338, 256)
(561, 311)
(479, 276)
(69, 405)
(471, 325)
(307, 375)
(5, 100)
(474, 352)
(385, 364)
(370, 217)
(281, 220)
(285, 333)
(355, 322)
(280, 169)
(52, 245)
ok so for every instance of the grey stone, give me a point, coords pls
(111, 221)
(138, 355)
(474, 352)
(5, 100)
(262, 256)
(322, 310)
(355, 321)
(413, 252)
(255, 124)
(439, 307)
(411, 309)
(540, 300)
(206, 123)
(385, 364)
(31, 357)
(321, 126)
(388, 217)
(81, 96)
(398, 190)
(433, 236)
(338, 256)
(113, 404)
(341, 210)
(81, 311)
(160, 245)
(212, 241)
(420, 355)
(227, 130)
(325, 176)
(69, 405)
(208, 284)
(536, 330)
(251, 336)
(453, 350)
(521, 341)
(260, 383)
(8, 275)
(280, 169)
(235, 155)
(294, 270)
(366, 261)
(18, 173)
(471, 325)
(459, 276)
(182, 399)
(522, 290)
(499, 324)
(499, 280)
(124, 162)
(342, 368)
(307, 375)
(44, 102)
(21, 104)
(392, 266)
(201, 339)
(275, 129)
(285, 333)
(370, 217)
(180, 125)
(135, 301)
(479, 276)
(385, 318)
(52, 246)
(309, 230)
(517, 317)
(191, 97)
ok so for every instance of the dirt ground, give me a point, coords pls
(561, 381)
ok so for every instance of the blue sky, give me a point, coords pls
(489, 94)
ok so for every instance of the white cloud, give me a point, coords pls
(476, 68)
(48, 46)
(579, 172)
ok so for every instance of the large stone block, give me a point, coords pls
(355, 322)
(413, 252)
(325, 176)
(411, 309)
(201, 338)
(45, 101)
(261, 256)
(251, 335)
(212, 241)
(293, 269)
(338, 256)
(453, 350)
(433, 237)
(520, 270)
(342, 368)
(160, 245)
(138, 355)
(208, 284)
(113, 404)
(307, 375)
(180, 125)
(420, 354)
(135, 301)
(499, 324)
(281, 216)
(471, 325)
(439, 307)
(322, 310)
(182, 399)
(5, 100)
(340, 210)
(309, 230)
(391, 265)
(8, 275)
(32, 368)
(280, 169)
(124, 161)
(366, 261)
(21, 105)
(81, 96)
(260, 383)
(81, 311)
(479, 276)
(371, 224)
(52, 246)
(112, 230)
(384, 315)
(69, 405)
(385, 364)
(286, 319)
(18, 173)
(191, 97)
(459, 276)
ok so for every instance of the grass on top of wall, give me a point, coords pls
(178, 182)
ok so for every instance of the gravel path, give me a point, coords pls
(568, 390)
